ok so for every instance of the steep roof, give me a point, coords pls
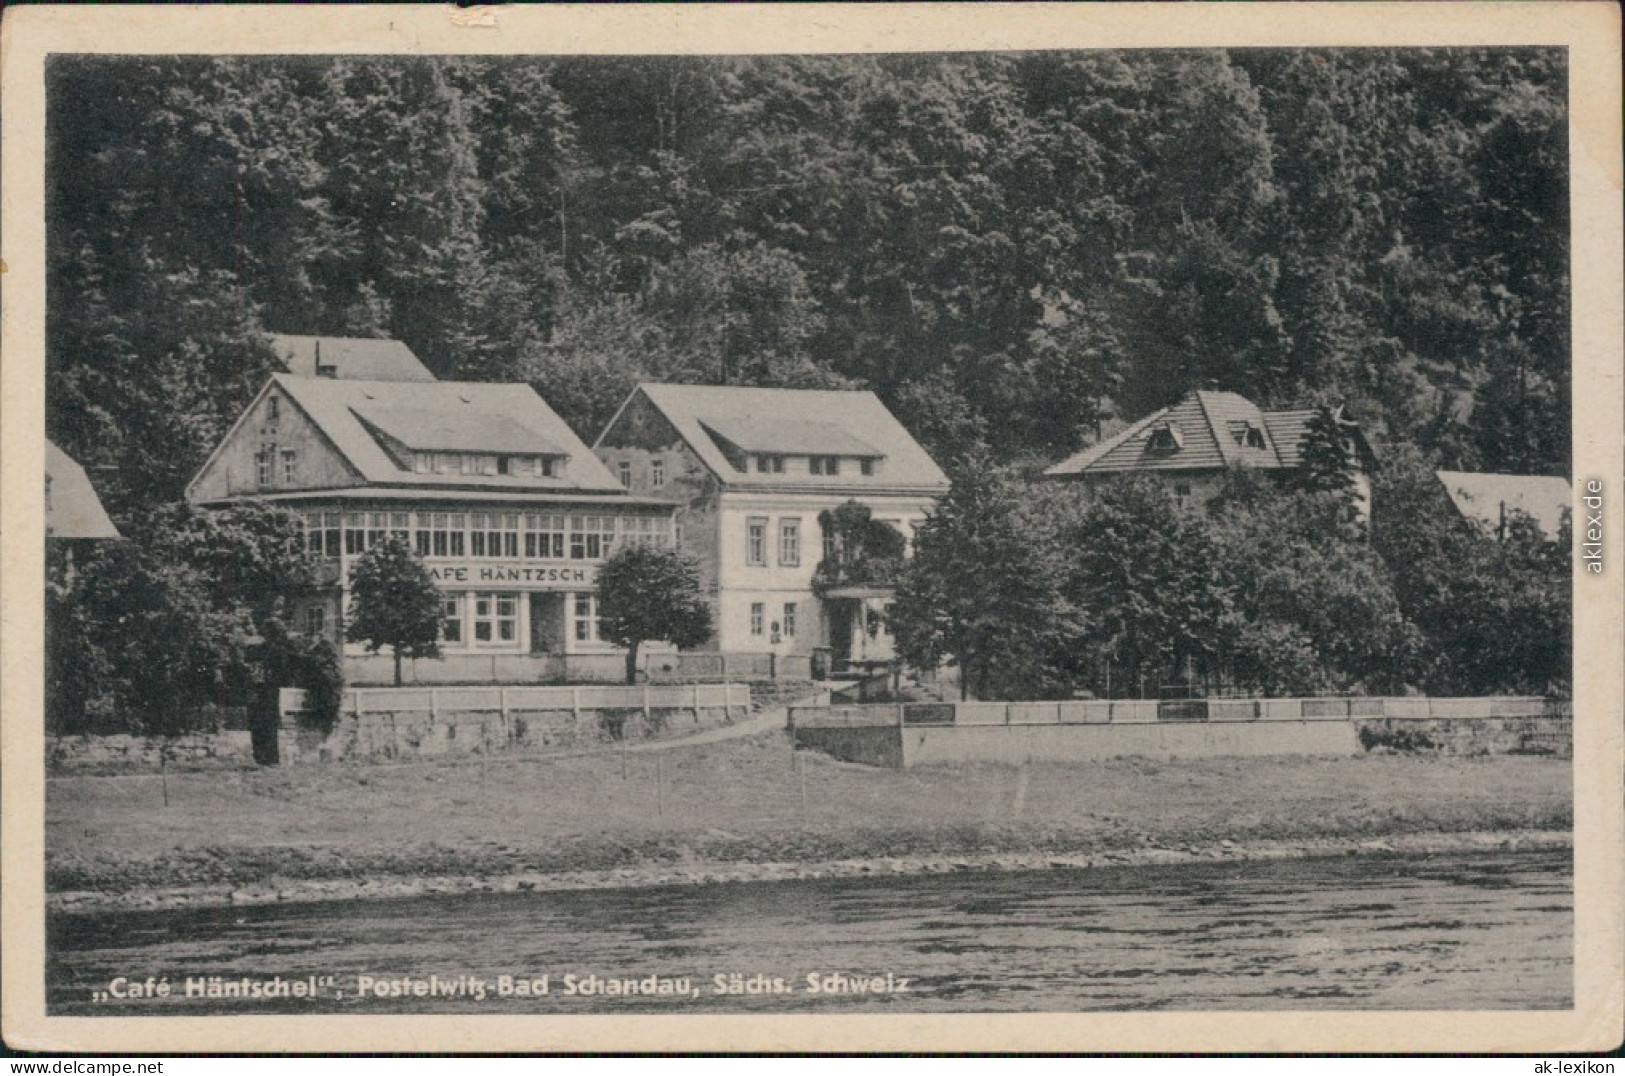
(72, 509)
(1210, 431)
(1481, 496)
(352, 358)
(796, 422)
(476, 416)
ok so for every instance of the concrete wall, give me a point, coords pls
(230, 749)
(1077, 731)
(417, 734)
(928, 745)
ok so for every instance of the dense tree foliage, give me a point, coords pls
(1007, 247)
(985, 587)
(647, 594)
(1039, 590)
(394, 602)
(187, 611)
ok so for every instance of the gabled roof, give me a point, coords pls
(1481, 497)
(352, 358)
(795, 422)
(1215, 430)
(478, 416)
(72, 509)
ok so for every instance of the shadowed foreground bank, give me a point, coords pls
(725, 810)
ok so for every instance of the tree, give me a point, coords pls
(864, 551)
(985, 587)
(1328, 454)
(394, 603)
(646, 593)
(1146, 577)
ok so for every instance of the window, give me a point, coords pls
(496, 618)
(316, 620)
(758, 613)
(586, 618)
(1166, 437)
(479, 465)
(770, 464)
(264, 460)
(502, 465)
(756, 541)
(355, 533)
(1182, 494)
(377, 528)
(322, 533)
(440, 534)
(643, 530)
(623, 470)
(830, 465)
(790, 543)
(546, 466)
(451, 618)
(789, 620)
(400, 526)
(657, 474)
(423, 463)
(832, 545)
(867, 465)
(591, 537)
(493, 534)
(273, 411)
(544, 535)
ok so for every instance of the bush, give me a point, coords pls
(1400, 740)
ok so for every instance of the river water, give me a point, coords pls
(1400, 932)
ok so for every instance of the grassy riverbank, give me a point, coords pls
(726, 806)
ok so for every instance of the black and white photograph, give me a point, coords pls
(1078, 528)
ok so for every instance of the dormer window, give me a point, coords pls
(770, 464)
(1165, 437)
(826, 465)
(546, 466)
(867, 466)
(623, 471)
(1247, 434)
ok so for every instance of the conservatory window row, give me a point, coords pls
(507, 535)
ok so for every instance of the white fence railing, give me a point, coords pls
(527, 699)
(656, 668)
(1146, 711)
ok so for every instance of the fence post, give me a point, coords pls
(646, 704)
(772, 664)
(502, 700)
(722, 661)
(899, 715)
(696, 687)
(575, 704)
(434, 704)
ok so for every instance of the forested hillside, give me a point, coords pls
(1008, 247)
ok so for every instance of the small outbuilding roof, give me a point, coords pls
(72, 509)
(348, 358)
(1486, 498)
(795, 422)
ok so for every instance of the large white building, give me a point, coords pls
(750, 471)
(508, 508)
